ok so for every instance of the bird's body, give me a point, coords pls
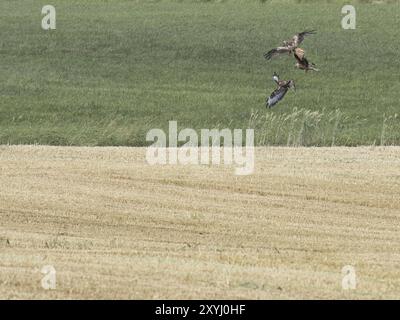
(278, 94)
(279, 82)
(288, 46)
(301, 62)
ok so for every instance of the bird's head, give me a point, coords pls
(275, 77)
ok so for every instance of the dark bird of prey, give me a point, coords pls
(280, 92)
(289, 45)
(302, 63)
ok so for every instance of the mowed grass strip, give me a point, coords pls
(113, 70)
(115, 227)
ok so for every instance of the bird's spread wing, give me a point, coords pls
(298, 38)
(276, 51)
(276, 96)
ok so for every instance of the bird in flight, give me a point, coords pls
(302, 63)
(280, 92)
(279, 82)
(288, 46)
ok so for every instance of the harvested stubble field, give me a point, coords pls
(115, 227)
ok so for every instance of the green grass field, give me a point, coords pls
(115, 69)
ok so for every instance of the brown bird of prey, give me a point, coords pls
(280, 92)
(288, 46)
(302, 63)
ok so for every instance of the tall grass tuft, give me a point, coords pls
(303, 127)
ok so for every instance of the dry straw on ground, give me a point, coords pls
(114, 227)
